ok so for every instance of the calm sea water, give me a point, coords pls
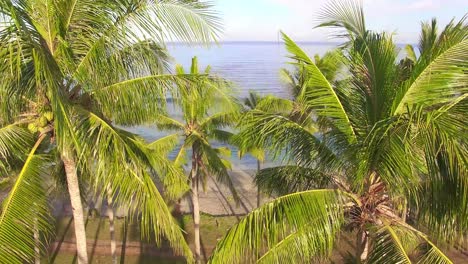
(249, 65)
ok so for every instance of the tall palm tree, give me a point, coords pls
(69, 70)
(251, 103)
(207, 106)
(388, 161)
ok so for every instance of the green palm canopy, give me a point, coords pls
(388, 161)
(207, 106)
(70, 70)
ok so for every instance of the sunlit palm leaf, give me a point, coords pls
(24, 210)
(14, 142)
(443, 79)
(266, 227)
(433, 255)
(346, 15)
(320, 95)
(388, 247)
(440, 73)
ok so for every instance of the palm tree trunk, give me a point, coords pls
(77, 207)
(37, 251)
(110, 214)
(259, 195)
(405, 210)
(362, 247)
(196, 207)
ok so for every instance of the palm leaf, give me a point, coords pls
(309, 243)
(410, 53)
(320, 94)
(145, 95)
(165, 144)
(289, 179)
(24, 210)
(14, 142)
(440, 73)
(275, 105)
(388, 247)
(347, 15)
(266, 227)
(433, 255)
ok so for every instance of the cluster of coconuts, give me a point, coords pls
(42, 122)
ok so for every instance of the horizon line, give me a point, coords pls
(266, 42)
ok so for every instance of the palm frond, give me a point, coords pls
(165, 144)
(433, 255)
(320, 95)
(190, 22)
(219, 120)
(165, 122)
(440, 73)
(388, 247)
(145, 95)
(279, 134)
(289, 179)
(309, 243)
(266, 227)
(213, 164)
(221, 136)
(442, 198)
(275, 104)
(24, 210)
(410, 53)
(347, 15)
(14, 142)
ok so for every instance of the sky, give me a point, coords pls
(261, 20)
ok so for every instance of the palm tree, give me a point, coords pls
(251, 103)
(69, 69)
(207, 106)
(388, 161)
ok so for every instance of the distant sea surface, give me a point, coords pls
(249, 65)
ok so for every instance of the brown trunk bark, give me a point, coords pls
(196, 207)
(405, 211)
(37, 251)
(110, 214)
(77, 207)
(362, 247)
(259, 195)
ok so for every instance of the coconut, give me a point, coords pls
(42, 121)
(32, 127)
(49, 116)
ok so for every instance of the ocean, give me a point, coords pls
(249, 65)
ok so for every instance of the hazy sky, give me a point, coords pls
(262, 19)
